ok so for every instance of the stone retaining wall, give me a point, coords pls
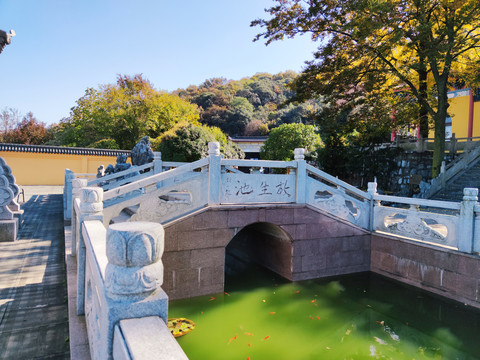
(439, 270)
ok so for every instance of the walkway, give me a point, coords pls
(33, 288)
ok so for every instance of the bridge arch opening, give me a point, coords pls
(262, 243)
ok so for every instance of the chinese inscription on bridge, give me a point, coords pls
(257, 188)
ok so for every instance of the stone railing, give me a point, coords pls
(449, 171)
(214, 181)
(119, 278)
(114, 180)
(452, 145)
(442, 223)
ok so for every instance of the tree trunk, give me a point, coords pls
(440, 119)
(423, 114)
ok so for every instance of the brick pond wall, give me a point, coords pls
(439, 270)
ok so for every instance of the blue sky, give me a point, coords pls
(63, 47)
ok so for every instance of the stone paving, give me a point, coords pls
(33, 289)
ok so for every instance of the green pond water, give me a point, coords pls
(364, 316)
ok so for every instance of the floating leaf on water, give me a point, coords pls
(180, 326)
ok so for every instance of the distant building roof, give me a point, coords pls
(250, 144)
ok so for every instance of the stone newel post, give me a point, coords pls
(157, 162)
(214, 173)
(372, 190)
(77, 185)
(131, 284)
(466, 221)
(134, 251)
(91, 207)
(301, 175)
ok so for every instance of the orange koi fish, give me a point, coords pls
(318, 317)
(273, 312)
(211, 298)
(249, 334)
(266, 337)
(311, 317)
(248, 358)
(226, 293)
(314, 300)
(297, 292)
(249, 344)
(233, 338)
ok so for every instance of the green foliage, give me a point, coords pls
(261, 99)
(105, 144)
(283, 140)
(123, 112)
(370, 50)
(29, 131)
(189, 142)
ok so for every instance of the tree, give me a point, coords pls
(283, 140)
(188, 142)
(9, 119)
(29, 131)
(376, 48)
(123, 113)
(233, 105)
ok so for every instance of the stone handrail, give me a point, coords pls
(154, 179)
(451, 170)
(313, 171)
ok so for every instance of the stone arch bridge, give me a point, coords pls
(291, 217)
